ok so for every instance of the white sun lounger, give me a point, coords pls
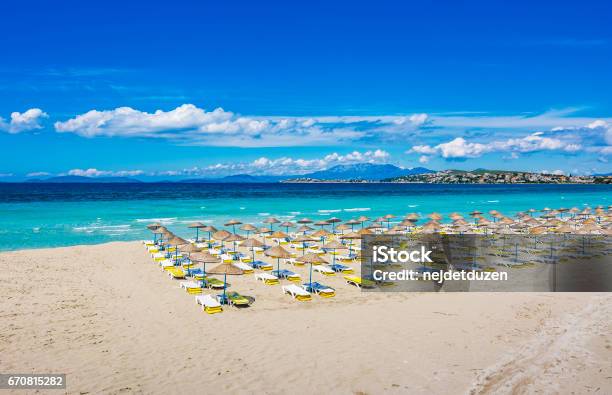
(244, 267)
(296, 292)
(209, 304)
(267, 278)
(166, 263)
(189, 284)
(323, 270)
(225, 258)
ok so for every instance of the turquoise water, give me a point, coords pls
(47, 215)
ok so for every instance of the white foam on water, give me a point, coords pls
(295, 212)
(329, 211)
(263, 214)
(357, 209)
(413, 205)
(166, 221)
(492, 201)
(102, 228)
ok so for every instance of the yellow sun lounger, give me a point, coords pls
(175, 272)
(359, 282)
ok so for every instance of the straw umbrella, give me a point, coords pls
(221, 235)
(365, 231)
(233, 223)
(351, 236)
(204, 257)
(252, 243)
(321, 223)
(271, 221)
(234, 238)
(176, 242)
(278, 252)
(435, 216)
(334, 245)
(313, 259)
(287, 225)
(225, 269)
(352, 223)
(321, 234)
(304, 221)
(342, 228)
(197, 226)
(362, 219)
(248, 228)
(304, 239)
(210, 230)
(304, 229)
(262, 232)
(333, 221)
(279, 235)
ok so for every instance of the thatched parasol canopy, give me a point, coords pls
(304, 238)
(279, 235)
(333, 220)
(204, 257)
(221, 235)
(250, 243)
(209, 228)
(248, 227)
(271, 220)
(190, 248)
(233, 237)
(304, 221)
(277, 252)
(351, 236)
(232, 222)
(175, 240)
(313, 258)
(154, 226)
(226, 268)
(321, 233)
(305, 228)
(195, 225)
(334, 245)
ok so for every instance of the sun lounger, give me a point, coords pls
(296, 292)
(213, 251)
(322, 290)
(166, 264)
(214, 283)
(246, 259)
(287, 275)
(192, 287)
(209, 304)
(176, 272)
(159, 256)
(246, 269)
(235, 299)
(261, 265)
(267, 278)
(324, 270)
(338, 268)
(346, 258)
(293, 261)
(359, 282)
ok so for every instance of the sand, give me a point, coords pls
(114, 322)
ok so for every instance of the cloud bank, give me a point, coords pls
(24, 121)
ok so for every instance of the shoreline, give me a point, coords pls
(96, 312)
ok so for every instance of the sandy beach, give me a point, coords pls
(114, 322)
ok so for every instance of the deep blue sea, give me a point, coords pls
(47, 215)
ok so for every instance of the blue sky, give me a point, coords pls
(203, 88)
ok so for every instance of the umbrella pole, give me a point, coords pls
(224, 286)
(310, 277)
(197, 234)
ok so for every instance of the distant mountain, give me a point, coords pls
(84, 180)
(364, 171)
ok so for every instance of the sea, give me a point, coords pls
(51, 215)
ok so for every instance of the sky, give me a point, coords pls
(177, 89)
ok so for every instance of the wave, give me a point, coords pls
(357, 209)
(102, 228)
(328, 211)
(165, 221)
(492, 201)
(263, 214)
(413, 205)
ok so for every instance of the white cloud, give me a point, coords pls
(461, 148)
(92, 172)
(189, 124)
(283, 165)
(423, 159)
(38, 174)
(24, 121)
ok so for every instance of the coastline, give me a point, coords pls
(98, 312)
